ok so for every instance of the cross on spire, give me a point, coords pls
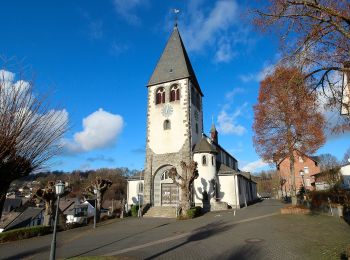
(176, 16)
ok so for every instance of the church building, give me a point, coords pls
(175, 133)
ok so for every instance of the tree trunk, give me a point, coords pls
(292, 177)
(98, 205)
(185, 201)
(4, 186)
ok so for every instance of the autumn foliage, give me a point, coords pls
(286, 117)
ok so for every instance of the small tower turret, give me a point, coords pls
(214, 134)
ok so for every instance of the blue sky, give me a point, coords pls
(97, 56)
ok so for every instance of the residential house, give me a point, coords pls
(305, 167)
(31, 216)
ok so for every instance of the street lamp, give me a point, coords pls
(301, 172)
(139, 213)
(95, 192)
(59, 189)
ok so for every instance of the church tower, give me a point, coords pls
(174, 121)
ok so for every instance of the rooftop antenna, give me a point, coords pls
(176, 14)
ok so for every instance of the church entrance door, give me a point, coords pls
(169, 194)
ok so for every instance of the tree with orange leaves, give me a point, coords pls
(286, 118)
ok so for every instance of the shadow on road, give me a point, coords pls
(111, 243)
(29, 253)
(211, 229)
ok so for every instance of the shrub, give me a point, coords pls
(22, 233)
(134, 210)
(194, 212)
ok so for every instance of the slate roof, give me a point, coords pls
(203, 146)
(11, 204)
(174, 63)
(24, 219)
(224, 169)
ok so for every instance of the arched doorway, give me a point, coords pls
(166, 192)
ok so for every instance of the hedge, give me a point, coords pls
(194, 212)
(134, 210)
(22, 233)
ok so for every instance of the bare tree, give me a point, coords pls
(315, 35)
(327, 162)
(29, 130)
(48, 196)
(184, 181)
(98, 187)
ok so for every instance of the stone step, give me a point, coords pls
(161, 212)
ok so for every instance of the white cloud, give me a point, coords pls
(126, 9)
(253, 166)
(215, 28)
(227, 122)
(100, 130)
(267, 69)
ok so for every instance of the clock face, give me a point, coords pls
(167, 110)
(196, 115)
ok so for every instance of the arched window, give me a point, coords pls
(167, 124)
(197, 128)
(212, 160)
(160, 95)
(204, 160)
(174, 93)
(140, 187)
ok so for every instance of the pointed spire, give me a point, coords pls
(174, 63)
(213, 132)
(176, 12)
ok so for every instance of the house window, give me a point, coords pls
(140, 187)
(160, 95)
(307, 182)
(197, 128)
(167, 125)
(204, 160)
(174, 93)
(306, 170)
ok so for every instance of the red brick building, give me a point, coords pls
(307, 165)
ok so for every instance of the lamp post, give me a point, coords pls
(59, 189)
(95, 192)
(301, 172)
(139, 214)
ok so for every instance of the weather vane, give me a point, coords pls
(176, 12)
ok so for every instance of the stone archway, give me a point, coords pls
(165, 191)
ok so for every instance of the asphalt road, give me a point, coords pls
(256, 232)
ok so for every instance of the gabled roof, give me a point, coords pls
(24, 218)
(313, 158)
(203, 146)
(174, 63)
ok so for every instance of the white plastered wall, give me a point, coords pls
(206, 174)
(228, 190)
(132, 192)
(167, 141)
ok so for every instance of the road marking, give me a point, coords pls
(164, 240)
